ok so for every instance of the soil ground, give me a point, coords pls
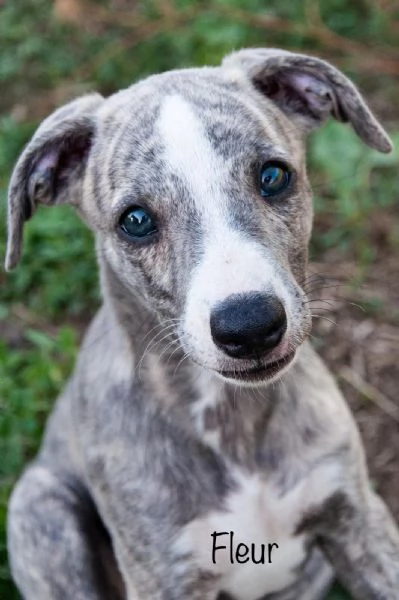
(360, 343)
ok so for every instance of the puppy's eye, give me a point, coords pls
(274, 178)
(137, 222)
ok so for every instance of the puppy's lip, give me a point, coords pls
(261, 372)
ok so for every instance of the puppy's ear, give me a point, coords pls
(50, 169)
(309, 90)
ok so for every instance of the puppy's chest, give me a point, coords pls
(251, 544)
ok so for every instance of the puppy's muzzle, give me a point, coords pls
(248, 325)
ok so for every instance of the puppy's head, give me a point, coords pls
(195, 184)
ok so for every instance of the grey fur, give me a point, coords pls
(127, 464)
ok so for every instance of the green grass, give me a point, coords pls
(30, 379)
(351, 185)
(56, 284)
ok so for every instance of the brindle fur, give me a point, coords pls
(124, 466)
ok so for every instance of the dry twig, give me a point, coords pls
(370, 392)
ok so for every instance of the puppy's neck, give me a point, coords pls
(223, 415)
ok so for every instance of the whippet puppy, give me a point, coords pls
(201, 449)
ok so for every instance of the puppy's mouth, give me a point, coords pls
(263, 372)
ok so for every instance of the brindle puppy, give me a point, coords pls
(171, 434)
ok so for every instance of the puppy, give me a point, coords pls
(201, 449)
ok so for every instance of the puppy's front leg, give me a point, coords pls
(58, 549)
(362, 542)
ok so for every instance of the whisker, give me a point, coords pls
(151, 344)
(324, 287)
(310, 300)
(167, 331)
(185, 356)
(323, 317)
(167, 323)
(178, 347)
(163, 330)
(362, 308)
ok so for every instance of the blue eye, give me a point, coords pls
(136, 222)
(274, 178)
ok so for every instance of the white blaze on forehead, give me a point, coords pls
(232, 262)
(189, 152)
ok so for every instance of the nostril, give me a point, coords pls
(276, 329)
(273, 338)
(246, 325)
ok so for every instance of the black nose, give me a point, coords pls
(248, 325)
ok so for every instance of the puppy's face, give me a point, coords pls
(208, 218)
(195, 184)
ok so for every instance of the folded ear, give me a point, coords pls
(309, 90)
(50, 169)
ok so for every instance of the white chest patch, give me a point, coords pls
(252, 544)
